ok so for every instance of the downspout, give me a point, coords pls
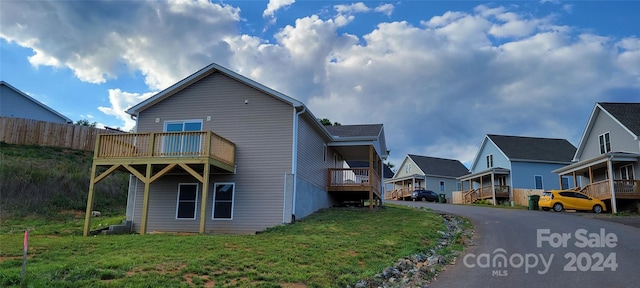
(294, 159)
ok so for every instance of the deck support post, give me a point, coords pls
(145, 200)
(205, 192)
(87, 217)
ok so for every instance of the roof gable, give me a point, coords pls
(439, 166)
(535, 149)
(626, 115)
(202, 73)
(36, 102)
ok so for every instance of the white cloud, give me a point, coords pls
(121, 101)
(437, 87)
(386, 9)
(275, 5)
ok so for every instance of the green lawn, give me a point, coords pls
(332, 248)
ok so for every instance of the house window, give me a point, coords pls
(565, 183)
(324, 152)
(458, 186)
(181, 144)
(489, 161)
(407, 169)
(441, 185)
(538, 181)
(223, 201)
(605, 143)
(626, 172)
(187, 200)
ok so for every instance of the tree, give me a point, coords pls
(85, 122)
(327, 122)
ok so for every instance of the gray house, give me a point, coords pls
(220, 153)
(607, 161)
(424, 172)
(505, 162)
(17, 104)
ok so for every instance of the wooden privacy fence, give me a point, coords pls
(33, 132)
(521, 196)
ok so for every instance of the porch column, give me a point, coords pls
(590, 175)
(493, 188)
(575, 179)
(614, 205)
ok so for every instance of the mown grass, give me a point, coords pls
(332, 248)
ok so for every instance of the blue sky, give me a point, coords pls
(438, 74)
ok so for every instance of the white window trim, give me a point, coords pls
(490, 161)
(195, 207)
(541, 182)
(630, 172)
(603, 146)
(233, 201)
(325, 152)
(443, 186)
(166, 122)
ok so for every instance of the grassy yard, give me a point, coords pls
(332, 248)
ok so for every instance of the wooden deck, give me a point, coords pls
(485, 193)
(351, 183)
(149, 156)
(624, 189)
(401, 194)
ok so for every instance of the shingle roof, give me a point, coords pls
(367, 130)
(627, 113)
(535, 149)
(439, 166)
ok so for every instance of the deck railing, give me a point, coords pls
(165, 144)
(354, 177)
(502, 191)
(401, 193)
(623, 188)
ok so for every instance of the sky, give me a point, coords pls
(438, 74)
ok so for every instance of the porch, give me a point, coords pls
(486, 192)
(355, 185)
(149, 156)
(487, 184)
(623, 189)
(609, 176)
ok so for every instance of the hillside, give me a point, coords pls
(47, 180)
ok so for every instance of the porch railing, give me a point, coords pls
(350, 177)
(165, 144)
(502, 191)
(623, 188)
(401, 193)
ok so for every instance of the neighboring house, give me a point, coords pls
(431, 173)
(507, 162)
(607, 161)
(220, 153)
(17, 104)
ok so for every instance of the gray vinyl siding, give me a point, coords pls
(15, 105)
(621, 139)
(433, 183)
(499, 160)
(312, 170)
(262, 130)
(413, 170)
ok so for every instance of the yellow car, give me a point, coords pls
(559, 200)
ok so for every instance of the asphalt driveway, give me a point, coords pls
(522, 248)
